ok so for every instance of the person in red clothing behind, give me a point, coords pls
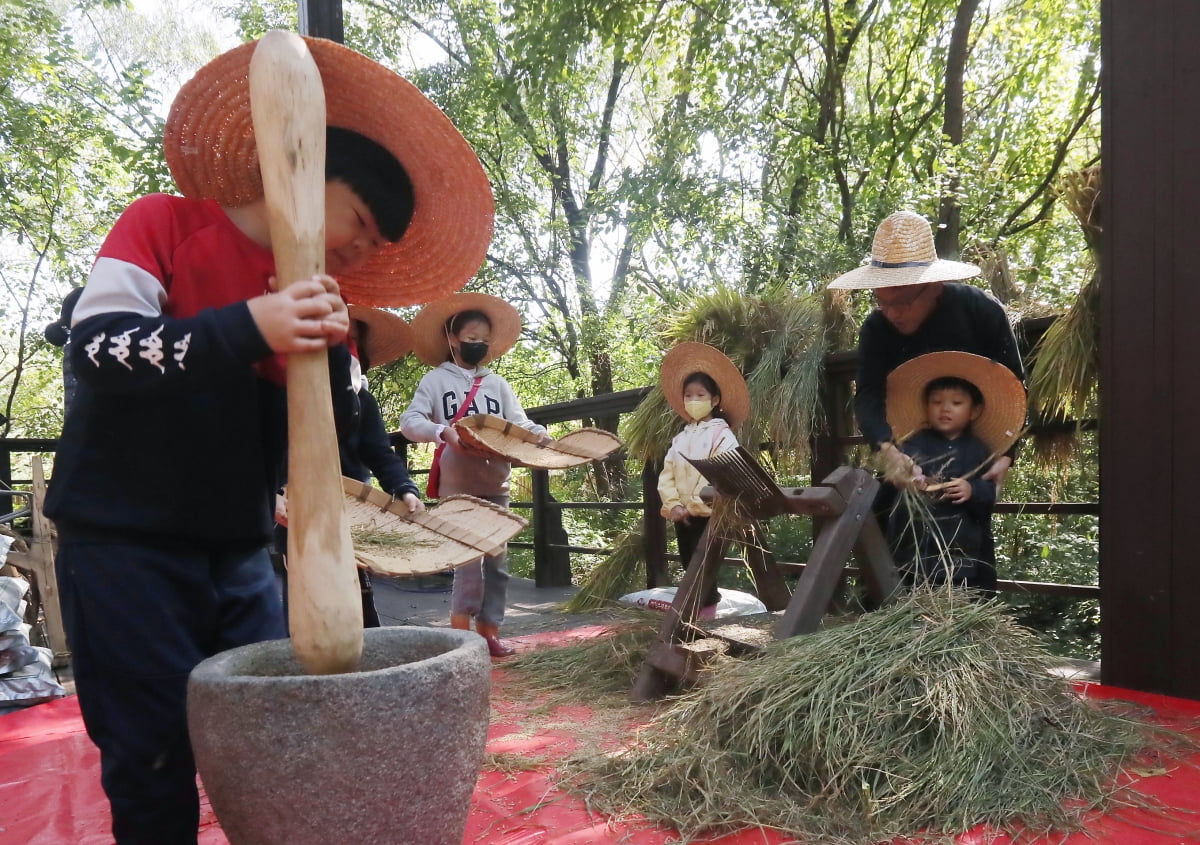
(163, 485)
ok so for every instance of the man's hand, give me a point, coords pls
(898, 468)
(306, 317)
(997, 471)
(957, 490)
(415, 505)
(679, 514)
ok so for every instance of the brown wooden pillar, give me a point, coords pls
(1150, 347)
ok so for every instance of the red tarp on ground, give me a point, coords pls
(50, 787)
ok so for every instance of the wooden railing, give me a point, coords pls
(551, 544)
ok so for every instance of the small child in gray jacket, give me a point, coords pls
(457, 336)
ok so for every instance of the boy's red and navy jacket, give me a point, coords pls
(179, 429)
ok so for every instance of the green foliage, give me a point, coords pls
(1055, 549)
(76, 136)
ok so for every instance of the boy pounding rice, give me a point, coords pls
(163, 485)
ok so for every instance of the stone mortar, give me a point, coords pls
(387, 754)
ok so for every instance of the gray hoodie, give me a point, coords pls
(435, 403)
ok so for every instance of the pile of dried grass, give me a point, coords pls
(933, 715)
(592, 670)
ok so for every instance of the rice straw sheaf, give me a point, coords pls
(920, 720)
(1063, 377)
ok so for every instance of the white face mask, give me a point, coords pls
(697, 409)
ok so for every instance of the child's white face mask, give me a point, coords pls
(697, 409)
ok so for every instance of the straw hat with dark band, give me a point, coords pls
(209, 145)
(388, 337)
(429, 326)
(1003, 414)
(687, 358)
(903, 254)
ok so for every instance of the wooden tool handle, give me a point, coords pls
(287, 104)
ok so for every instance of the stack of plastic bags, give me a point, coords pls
(26, 676)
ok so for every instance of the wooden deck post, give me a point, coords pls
(1150, 397)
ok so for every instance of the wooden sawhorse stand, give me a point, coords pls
(845, 498)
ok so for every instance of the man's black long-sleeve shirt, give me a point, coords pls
(965, 319)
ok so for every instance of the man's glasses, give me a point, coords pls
(899, 303)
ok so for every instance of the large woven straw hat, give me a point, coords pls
(687, 358)
(497, 437)
(389, 540)
(429, 326)
(1003, 416)
(210, 149)
(903, 254)
(388, 337)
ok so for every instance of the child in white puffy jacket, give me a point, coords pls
(706, 389)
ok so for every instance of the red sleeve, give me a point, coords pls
(145, 235)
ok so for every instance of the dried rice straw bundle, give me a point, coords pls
(778, 340)
(925, 718)
(594, 668)
(1063, 378)
(613, 577)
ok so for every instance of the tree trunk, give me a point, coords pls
(946, 238)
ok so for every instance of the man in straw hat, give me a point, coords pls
(919, 308)
(457, 336)
(954, 413)
(162, 488)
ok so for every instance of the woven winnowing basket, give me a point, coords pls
(388, 540)
(496, 436)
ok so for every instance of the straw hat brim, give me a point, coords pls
(429, 326)
(690, 357)
(388, 339)
(870, 277)
(1004, 404)
(210, 149)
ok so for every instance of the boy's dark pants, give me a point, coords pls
(139, 618)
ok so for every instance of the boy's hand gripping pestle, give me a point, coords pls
(324, 602)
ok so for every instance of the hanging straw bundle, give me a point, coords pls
(1062, 382)
(925, 718)
(778, 341)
